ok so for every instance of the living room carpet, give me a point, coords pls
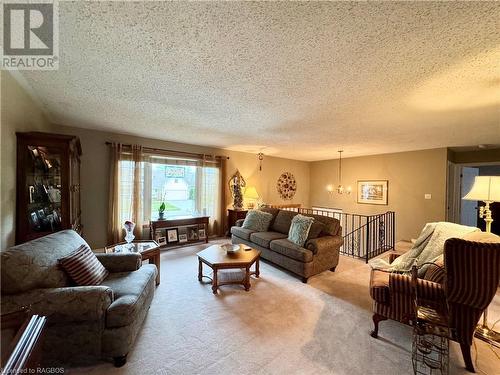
(280, 326)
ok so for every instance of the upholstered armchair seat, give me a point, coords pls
(84, 323)
(129, 296)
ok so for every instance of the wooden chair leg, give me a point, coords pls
(377, 318)
(467, 357)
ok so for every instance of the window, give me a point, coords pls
(186, 187)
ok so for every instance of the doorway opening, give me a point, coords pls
(460, 180)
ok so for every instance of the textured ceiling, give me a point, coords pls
(296, 80)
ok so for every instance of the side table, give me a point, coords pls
(232, 217)
(149, 250)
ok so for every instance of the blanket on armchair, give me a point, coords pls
(427, 248)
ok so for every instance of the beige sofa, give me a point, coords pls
(85, 323)
(320, 252)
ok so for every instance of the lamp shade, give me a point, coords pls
(485, 188)
(251, 193)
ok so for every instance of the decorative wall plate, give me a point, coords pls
(286, 186)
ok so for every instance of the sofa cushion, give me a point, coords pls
(242, 232)
(379, 286)
(83, 267)
(130, 294)
(332, 225)
(300, 229)
(34, 264)
(291, 250)
(283, 221)
(264, 238)
(257, 221)
(272, 211)
(316, 228)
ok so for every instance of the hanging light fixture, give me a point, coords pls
(260, 155)
(340, 187)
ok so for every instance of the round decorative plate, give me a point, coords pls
(287, 186)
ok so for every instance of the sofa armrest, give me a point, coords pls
(427, 290)
(120, 262)
(63, 305)
(239, 222)
(325, 243)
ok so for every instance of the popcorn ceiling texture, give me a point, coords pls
(297, 80)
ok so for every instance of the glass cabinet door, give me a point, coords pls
(43, 184)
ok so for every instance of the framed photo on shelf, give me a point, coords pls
(172, 235)
(161, 241)
(183, 237)
(201, 233)
(373, 192)
(192, 233)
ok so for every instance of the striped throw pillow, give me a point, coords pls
(83, 267)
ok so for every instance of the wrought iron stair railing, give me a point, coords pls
(365, 236)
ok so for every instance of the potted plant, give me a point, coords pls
(161, 211)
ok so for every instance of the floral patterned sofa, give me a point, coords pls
(85, 323)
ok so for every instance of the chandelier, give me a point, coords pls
(340, 188)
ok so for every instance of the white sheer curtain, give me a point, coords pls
(209, 196)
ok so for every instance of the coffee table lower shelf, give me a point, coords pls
(243, 262)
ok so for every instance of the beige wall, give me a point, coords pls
(95, 170)
(18, 114)
(410, 175)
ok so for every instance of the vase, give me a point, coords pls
(129, 232)
(161, 215)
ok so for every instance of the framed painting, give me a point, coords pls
(373, 192)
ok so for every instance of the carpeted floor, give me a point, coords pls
(281, 326)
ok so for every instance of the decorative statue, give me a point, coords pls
(236, 185)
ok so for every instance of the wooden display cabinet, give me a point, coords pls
(48, 185)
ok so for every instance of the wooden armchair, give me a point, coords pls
(467, 283)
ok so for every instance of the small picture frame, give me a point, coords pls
(373, 192)
(192, 233)
(183, 237)
(172, 235)
(161, 241)
(201, 233)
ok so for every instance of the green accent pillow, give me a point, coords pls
(300, 229)
(258, 221)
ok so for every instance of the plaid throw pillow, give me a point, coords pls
(83, 267)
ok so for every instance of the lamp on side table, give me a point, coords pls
(487, 190)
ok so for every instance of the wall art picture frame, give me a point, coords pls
(201, 233)
(373, 192)
(183, 237)
(172, 235)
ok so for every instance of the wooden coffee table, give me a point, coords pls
(217, 258)
(149, 250)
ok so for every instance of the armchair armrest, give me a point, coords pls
(63, 305)
(239, 222)
(120, 262)
(325, 243)
(427, 290)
